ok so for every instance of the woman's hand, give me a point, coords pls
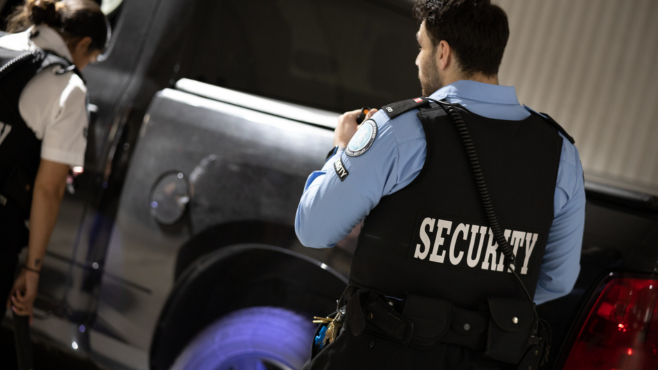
(24, 292)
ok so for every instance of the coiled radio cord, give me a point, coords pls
(502, 244)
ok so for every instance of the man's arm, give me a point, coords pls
(331, 207)
(561, 261)
(47, 195)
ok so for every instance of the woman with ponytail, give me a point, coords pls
(43, 128)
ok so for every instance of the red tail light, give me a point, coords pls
(621, 331)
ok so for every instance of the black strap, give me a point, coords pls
(424, 322)
(354, 311)
(554, 123)
(53, 58)
(396, 109)
(43, 58)
(27, 57)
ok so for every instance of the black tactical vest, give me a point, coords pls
(432, 237)
(20, 150)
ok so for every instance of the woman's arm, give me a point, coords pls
(47, 194)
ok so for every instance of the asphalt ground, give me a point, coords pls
(45, 357)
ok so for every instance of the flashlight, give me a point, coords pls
(363, 114)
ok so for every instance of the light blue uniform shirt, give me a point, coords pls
(330, 208)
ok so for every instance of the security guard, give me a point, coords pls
(430, 286)
(43, 128)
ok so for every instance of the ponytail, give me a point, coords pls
(35, 12)
(70, 18)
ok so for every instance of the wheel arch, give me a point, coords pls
(235, 277)
(232, 233)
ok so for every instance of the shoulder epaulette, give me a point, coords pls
(549, 119)
(396, 109)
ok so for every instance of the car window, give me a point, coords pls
(333, 54)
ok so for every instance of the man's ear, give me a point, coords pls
(83, 45)
(444, 54)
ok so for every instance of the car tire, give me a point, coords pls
(262, 338)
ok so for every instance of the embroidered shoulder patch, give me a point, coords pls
(340, 169)
(363, 139)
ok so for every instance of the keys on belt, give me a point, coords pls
(331, 330)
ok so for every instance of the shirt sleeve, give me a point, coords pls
(330, 208)
(561, 261)
(65, 136)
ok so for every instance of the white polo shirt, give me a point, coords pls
(53, 106)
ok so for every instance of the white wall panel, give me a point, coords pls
(593, 66)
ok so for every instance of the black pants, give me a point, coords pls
(13, 237)
(367, 351)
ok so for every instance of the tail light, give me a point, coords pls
(621, 330)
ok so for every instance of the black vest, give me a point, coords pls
(20, 150)
(432, 237)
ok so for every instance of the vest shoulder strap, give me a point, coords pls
(52, 59)
(546, 117)
(40, 60)
(396, 109)
(16, 59)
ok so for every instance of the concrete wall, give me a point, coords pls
(593, 66)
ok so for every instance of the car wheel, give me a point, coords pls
(257, 338)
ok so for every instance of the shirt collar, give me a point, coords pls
(48, 39)
(483, 92)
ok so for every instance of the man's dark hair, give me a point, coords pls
(476, 30)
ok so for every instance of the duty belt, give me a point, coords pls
(501, 329)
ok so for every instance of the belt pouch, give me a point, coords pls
(510, 328)
(467, 329)
(394, 324)
(354, 310)
(430, 318)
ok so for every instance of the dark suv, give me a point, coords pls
(175, 247)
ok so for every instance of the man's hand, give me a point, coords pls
(347, 126)
(24, 292)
